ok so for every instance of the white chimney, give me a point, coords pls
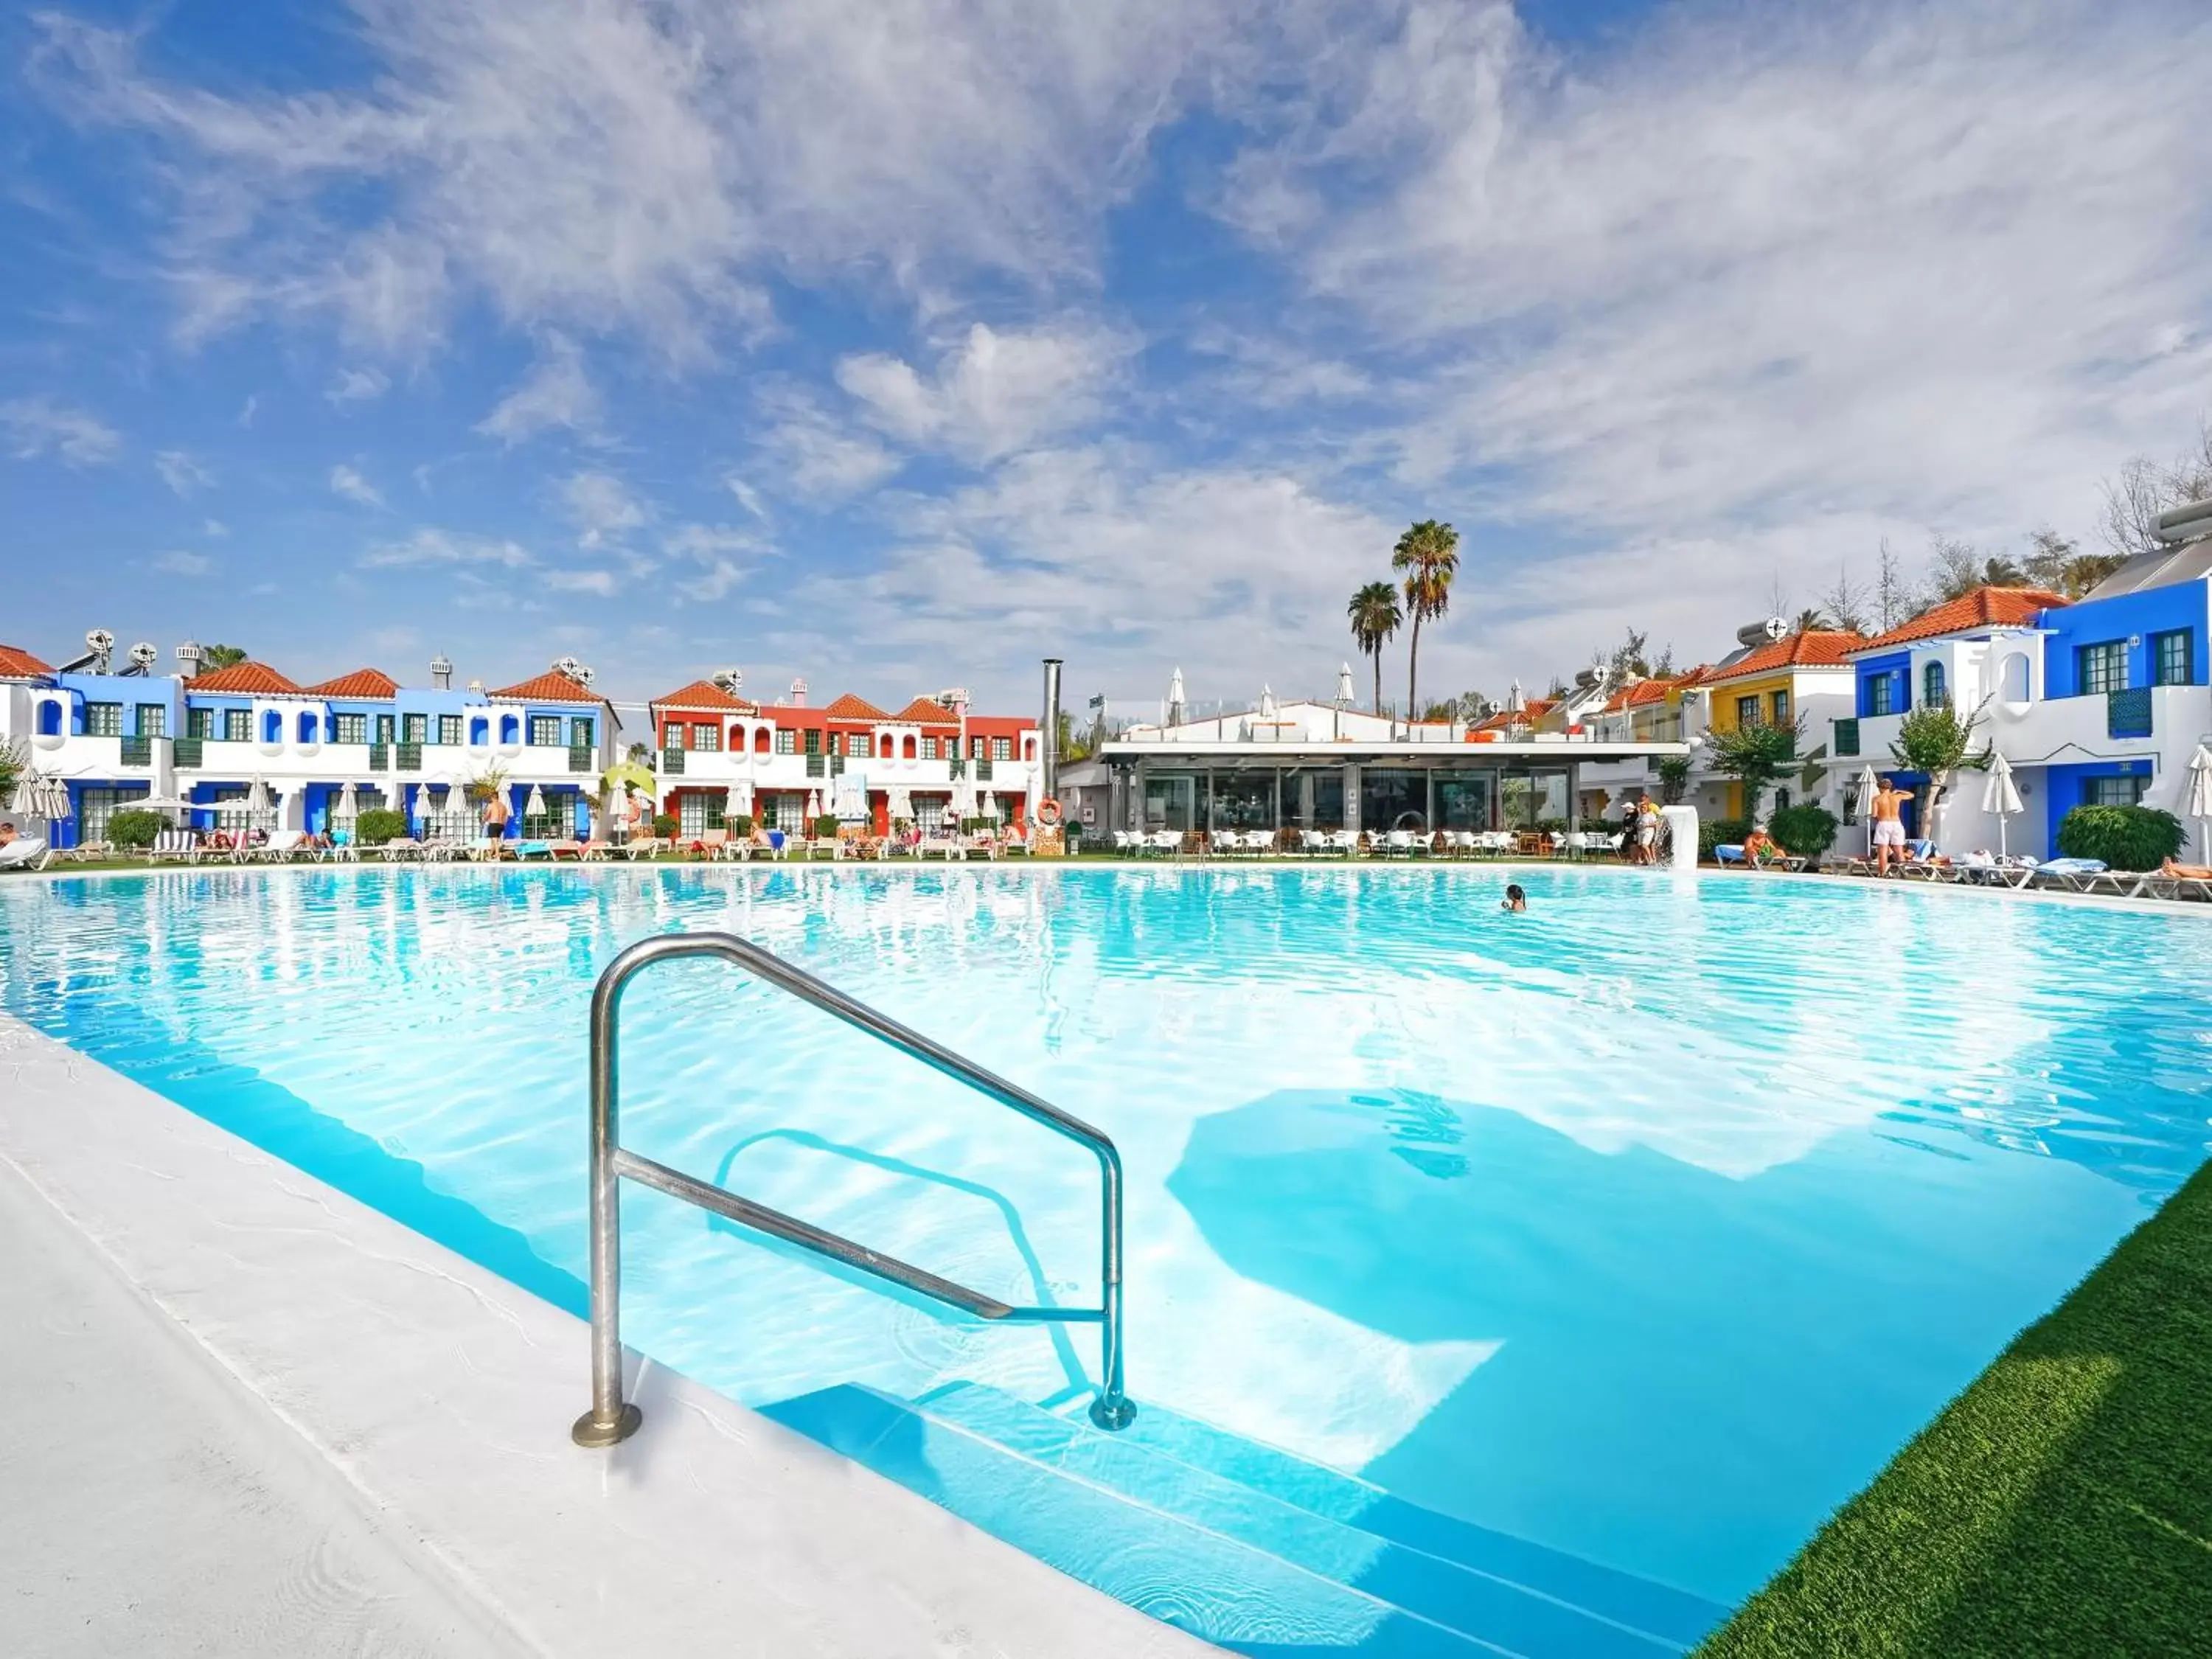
(442, 673)
(798, 694)
(189, 658)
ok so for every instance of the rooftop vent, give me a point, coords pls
(441, 671)
(189, 658)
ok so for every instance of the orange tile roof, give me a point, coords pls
(17, 664)
(248, 679)
(373, 684)
(1985, 607)
(705, 694)
(1532, 711)
(551, 686)
(850, 707)
(1813, 648)
(926, 711)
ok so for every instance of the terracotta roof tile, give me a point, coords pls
(926, 711)
(1985, 607)
(1813, 648)
(372, 684)
(17, 664)
(705, 694)
(247, 679)
(550, 686)
(850, 707)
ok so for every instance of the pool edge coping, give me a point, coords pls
(454, 1436)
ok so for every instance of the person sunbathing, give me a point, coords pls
(2185, 872)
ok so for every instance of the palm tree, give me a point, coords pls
(1429, 555)
(1375, 618)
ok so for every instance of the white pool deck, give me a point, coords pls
(244, 1415)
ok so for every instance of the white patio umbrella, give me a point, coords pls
(1344, 684)
(2001, 796)
(1868, 782)
(738, 802)
(901, 802)
(257, 800)
(50, 799)
(2200, 793)
(813, 808)
(963, 798)
(534, 807)
(1267, 702)
(349, 804)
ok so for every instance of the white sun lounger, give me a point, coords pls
(25, 853)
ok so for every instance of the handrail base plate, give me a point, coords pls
(590, 1430)
(1118, 1414)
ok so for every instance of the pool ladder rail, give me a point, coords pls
(612, 1419)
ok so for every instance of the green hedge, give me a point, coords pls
(379, 825)
(135, 827)
(1805, 830)
(2125, 837)
(1719, 832)
(666, 824)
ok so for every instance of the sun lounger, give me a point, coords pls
(181, 844)
(26, 853)
(2068, 875)
(645, 847)
(404, 847)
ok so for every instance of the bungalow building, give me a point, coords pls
(1805, 678)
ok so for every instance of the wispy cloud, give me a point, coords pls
(357, 385)
(348, 484)
(182, 472)
(432, 545)
(812, 456)
(178, 561)
(601, 582)
(557, 392)
(992, 392)
(34, 426)
(601, 508)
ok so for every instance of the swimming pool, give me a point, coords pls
(1608, 1247)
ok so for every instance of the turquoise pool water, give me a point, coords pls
(1608, 1247)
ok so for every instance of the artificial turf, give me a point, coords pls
(2062, 1506)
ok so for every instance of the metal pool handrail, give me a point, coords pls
(612, 1419)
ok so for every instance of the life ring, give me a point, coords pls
(1048, 813)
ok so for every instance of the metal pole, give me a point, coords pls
(610, 1418)
(1112, 1409)
(1048, 751)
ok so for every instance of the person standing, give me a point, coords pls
(1888, 811)
(1647, 831)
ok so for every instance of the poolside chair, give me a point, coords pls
(711, 842)
(26, 853)
(594, 850)
(281, 845)
(403, 846)
(1730, 852)
(2068, 875)
(1398, 843)
(181, 844)
(647, 847)
(88, 852)
(2158, 884)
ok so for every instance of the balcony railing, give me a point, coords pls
(580, 760)
(983, 771)
(958, 765)
(2127, 714)
(671, 760)
(409, 757)
(1847, 737)
(817, 766)
(138, 751)
(379, 757)
(189, 751)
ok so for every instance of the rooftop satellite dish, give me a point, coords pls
(145, 656)
(101, 642)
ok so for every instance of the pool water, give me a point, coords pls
(1541, 1279)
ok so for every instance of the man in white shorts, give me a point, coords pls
(1888, 824)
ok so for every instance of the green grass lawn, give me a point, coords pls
(2062, 1506)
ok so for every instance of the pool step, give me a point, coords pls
(1245, 1545)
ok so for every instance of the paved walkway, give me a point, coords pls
(150, 1504)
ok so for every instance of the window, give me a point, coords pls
(1935, 692)
(580, 733)
(544, 731)
(791, 814)
(1881, 694)
(1779, 705)
(2011, 678)
(1746, 710)
(1002, 749)
(813, 743)
(786, 742)
(2101, 667)
(975, 748)
(449, 730)
(94, 806)
(272, 726)
(671, 735)
(307, 724)
(200, 723)
(510, 728)
(2171, 656)
(863, 745)
(384, 730)
(929, 749)
(698, 811)
(153, 720)
(480, 730)
(414, 728)
(50, 718)
(238, 725)
(2113, 791)
(348, 728)
(929, 810)
(103, 720)
(1781, 800)
(706, 738)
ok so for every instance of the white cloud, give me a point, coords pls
(601, 582)
(179, 562)
(33, 426)
(347, 483)
(215, 529)
(723, 555)
(748, 497)
(993, 392)
(182, 472)
(432, 545)
(357, 385)
(248, 410)
(601, 508)
(811, 456)
(557, 392)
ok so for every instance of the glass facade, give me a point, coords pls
(1392, 799)
(96, 806)
(1419, 799)
(1466, 801)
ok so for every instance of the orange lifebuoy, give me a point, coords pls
(1048, 813)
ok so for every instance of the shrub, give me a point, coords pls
(135, 827)
(739, 827)
(2125, 837)
(1805, 830)
(666, 824)
(379, 825)
(1722, 832)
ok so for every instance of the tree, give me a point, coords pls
(1842, 607)
(1674, 778)
(2144, 489)
(213, 657)
(1754, 755)
(1375, 618)
(1934, 739)
(14, 761)
(2058, 564)
(1428, 555)
(1954, 569)
(1895, 598)
(1630, 658)
(1808, 621)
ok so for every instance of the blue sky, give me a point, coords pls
(898, 347)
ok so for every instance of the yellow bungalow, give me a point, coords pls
(1802, 676)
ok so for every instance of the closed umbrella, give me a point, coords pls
(900, 804)
(1869, 784)
(349, 806)
(2002, 797)
(1344, 684)
(738, 802)
(2199, 794)
(1267, 702)
(534, 807)
(257, 800)
(50, 800)
(813, 809)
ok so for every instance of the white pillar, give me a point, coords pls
(1682, 827)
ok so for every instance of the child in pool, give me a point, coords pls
(1515, 900)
